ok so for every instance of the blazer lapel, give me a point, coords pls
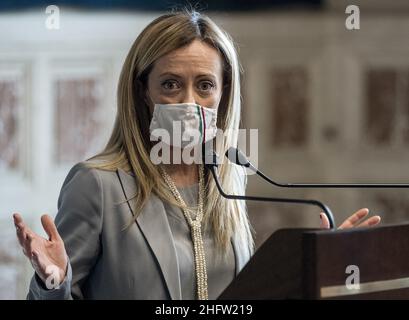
(154, 225)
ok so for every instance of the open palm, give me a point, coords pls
(47, 256)
(355, 220)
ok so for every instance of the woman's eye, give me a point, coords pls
(206, 86)
(170, 85)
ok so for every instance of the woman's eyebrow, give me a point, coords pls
(170, 74)
(203, 75)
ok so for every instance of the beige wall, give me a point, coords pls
(340, 100)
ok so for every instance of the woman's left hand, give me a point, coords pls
(356, 220)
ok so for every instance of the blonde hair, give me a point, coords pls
(129, 146)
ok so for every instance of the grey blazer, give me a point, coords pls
(107, 261)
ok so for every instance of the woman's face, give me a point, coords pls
(192, 74)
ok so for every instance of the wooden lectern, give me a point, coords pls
(312, 264)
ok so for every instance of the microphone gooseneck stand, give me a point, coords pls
(237, 157)
(212, 165)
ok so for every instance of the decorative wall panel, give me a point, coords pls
(290, 107)
(9, 121)
(78, 118)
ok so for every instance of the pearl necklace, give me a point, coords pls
(196, 232)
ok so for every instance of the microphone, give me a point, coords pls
(211, 162)
(237, 157)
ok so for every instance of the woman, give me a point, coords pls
(127, 228)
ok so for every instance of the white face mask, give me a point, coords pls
(183, 124)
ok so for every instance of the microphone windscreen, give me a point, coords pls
(237, 157)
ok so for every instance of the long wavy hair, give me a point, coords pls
(129, 145)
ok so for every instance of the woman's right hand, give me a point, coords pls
(48, 257)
